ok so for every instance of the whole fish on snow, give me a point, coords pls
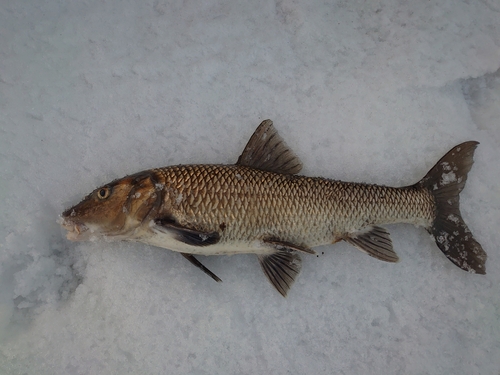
(260, 205)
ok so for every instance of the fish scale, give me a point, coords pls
(304, 210)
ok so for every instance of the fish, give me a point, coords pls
(261, 205)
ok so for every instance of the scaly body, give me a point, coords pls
(259, 205)
(245, 205)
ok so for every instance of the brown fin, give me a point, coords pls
(198, 264)
(375, 241)
(283, 245)
(266, 150)
(445, 181)
(187, 235)
(281, 269)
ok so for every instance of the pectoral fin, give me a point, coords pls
(198, 264)
(281, 268)
(375, 241)
(189, 236)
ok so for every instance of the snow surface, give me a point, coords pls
(364, 91)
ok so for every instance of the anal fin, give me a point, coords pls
(198, 264)
(281, 269)
(375, 241)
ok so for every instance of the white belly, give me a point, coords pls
(167, 241)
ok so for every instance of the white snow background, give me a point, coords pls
(371, 91)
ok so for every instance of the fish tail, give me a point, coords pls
(445, 181)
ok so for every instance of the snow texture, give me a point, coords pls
(364, 91)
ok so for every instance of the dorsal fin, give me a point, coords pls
(266, 150)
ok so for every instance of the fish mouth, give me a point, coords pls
(76, 231)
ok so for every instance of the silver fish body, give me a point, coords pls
(260, 205)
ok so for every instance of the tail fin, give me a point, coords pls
(445, 181)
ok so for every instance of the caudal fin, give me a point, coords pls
(445, 181)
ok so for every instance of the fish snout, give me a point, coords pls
(77, 231)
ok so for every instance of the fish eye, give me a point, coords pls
(103, 193)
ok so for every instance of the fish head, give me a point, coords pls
(114, 210)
